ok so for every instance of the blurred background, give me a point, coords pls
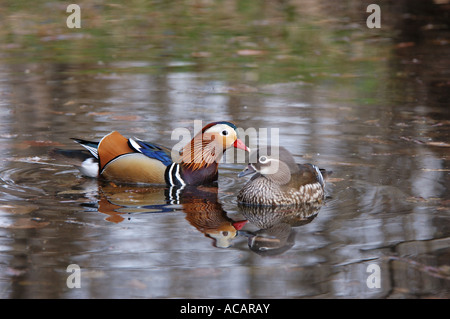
(370, 104)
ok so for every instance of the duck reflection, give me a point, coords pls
(205, 213)
(268, 230)
(119, 201)
(275, 233)
(199, 203)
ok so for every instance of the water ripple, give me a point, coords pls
(25, 177)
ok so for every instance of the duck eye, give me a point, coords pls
(224, 133)
(263, 159)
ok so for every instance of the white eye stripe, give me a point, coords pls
(220, 128)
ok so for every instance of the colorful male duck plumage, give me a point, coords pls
(281, 181)
(130, 160)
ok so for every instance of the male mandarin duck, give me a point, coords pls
(281, 181)
(131, 160)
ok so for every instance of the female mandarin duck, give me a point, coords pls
(119, 159)
(281, 181)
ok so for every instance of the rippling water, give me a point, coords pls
(379, 120)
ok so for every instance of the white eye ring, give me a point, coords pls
(263, 159)
(224, 133)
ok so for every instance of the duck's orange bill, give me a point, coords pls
(239, 144)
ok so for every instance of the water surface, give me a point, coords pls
(370, 105)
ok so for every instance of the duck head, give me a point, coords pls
(208, 146)
(277, 167)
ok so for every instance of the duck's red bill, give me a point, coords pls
(239, 144)
(238, 225)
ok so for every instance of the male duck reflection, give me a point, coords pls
(281, 181)
(199, 203)
(123, 160)
(204, 211)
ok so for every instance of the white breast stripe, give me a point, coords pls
(170, 174)
(178, 176)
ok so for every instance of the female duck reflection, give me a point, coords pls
(199, 203)
(274, 232)
(269, 231)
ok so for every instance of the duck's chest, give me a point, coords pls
(176, 174)
(261, 191)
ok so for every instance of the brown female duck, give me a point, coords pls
(281, 181)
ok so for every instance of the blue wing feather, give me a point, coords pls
(152, 150)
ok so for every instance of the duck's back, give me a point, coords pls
(308, 183)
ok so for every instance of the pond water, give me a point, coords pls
(371, 105)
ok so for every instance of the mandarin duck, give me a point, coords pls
(281, 181)
(131, 160)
